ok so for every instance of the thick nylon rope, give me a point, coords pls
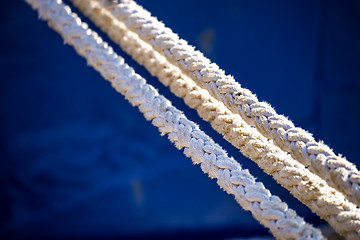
(307, 187)
(320, 159)
(251, 195)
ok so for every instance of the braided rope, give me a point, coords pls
(320, 159)
(307, 187)
(251, 195)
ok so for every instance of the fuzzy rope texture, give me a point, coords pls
(251, 195)
(320, 159)
(307, 187)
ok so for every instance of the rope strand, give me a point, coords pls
(320, 159)
(251, 195)
(307, 187)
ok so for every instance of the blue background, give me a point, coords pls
(78, 162)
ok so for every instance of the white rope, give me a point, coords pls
(320, 159)
(251, 195)
(307, 187)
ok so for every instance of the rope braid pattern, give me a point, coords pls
(251, 195)
(307, 187)
(320, 159)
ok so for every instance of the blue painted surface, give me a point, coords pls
(77, 161)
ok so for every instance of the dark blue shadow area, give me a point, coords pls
(78, 162)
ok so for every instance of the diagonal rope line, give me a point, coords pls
(251, 195)
(320, 159)
(307, 187)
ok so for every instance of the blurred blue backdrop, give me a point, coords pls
(78, 162)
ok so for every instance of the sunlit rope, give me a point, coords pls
(320, 159)
(251, 195)
(308, 188)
